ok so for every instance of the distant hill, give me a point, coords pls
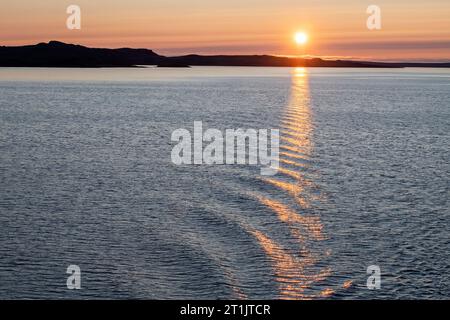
(59, 54)
(272, 61)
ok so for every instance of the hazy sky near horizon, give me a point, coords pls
(411, 29)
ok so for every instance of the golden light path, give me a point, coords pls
(300, 269)
(297, 273)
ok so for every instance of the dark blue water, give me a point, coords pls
(87, 179)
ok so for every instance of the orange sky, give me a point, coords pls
(411, 30)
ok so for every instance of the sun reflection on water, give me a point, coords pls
(301, 272)
(297, 273)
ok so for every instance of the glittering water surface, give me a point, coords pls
(87, 179)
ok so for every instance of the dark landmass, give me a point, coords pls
(271, 61)
(172, 64)
(59, 54)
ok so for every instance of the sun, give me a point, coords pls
(301, 38)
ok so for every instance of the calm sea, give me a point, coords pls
(87, 179)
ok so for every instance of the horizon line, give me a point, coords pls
(290, 56)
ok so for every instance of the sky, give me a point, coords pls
(410, 30)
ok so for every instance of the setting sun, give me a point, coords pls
(301, 38)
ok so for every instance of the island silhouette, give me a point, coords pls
(60, 54)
